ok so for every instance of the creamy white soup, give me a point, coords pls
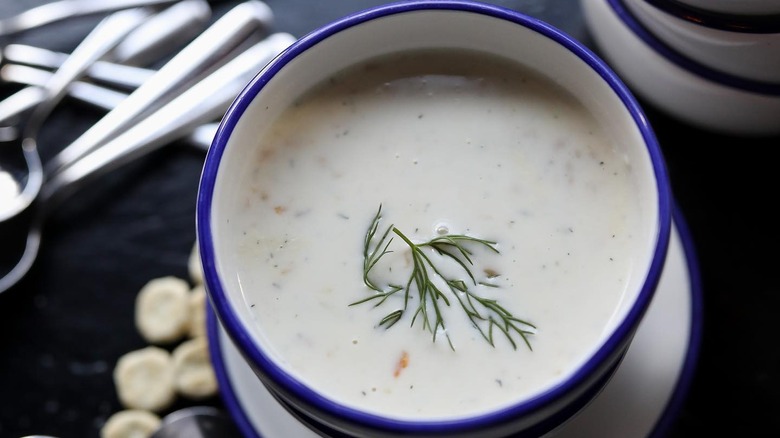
(448, 144)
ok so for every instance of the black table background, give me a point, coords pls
(65, 325)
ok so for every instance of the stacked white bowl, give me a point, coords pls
(712, 63)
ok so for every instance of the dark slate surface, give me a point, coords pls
(65, 325)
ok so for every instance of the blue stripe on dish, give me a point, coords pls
(682, 61)
(226, 391)
(759, 24)
(682, 388)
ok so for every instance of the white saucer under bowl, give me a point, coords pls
(641, 400)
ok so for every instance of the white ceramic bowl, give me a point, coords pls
(737, 9)
(749, 52)
(431, 25)
(677, 85)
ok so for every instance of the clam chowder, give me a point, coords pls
(447, 143)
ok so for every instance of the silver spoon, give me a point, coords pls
(205, 101)
(23, 165)
(197, 422)
(65, 9)
(240, 24)
(99, 97)
(105, 98)
(150, 41)
(236, 27)
(119, 73)
(155, 38)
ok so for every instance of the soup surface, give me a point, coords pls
(449, 144)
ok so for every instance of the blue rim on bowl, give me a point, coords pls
(609, 352)
(759, 24)
(682, 61)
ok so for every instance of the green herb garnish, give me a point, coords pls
(485, 314)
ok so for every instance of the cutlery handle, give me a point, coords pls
(64, 9)
(145, 42)
(19, 102)
(95, 95)
(203, 102)
(100, 41)
(92, 94)
(211, 48)
(19, 56)
(169, 28)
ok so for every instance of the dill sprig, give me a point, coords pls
(487, 315)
